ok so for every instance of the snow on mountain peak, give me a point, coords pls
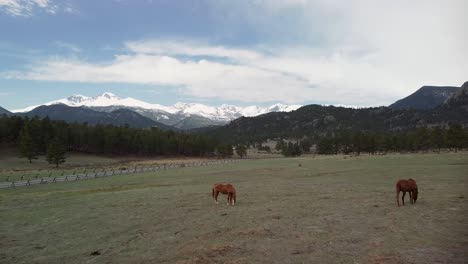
(108, 95)
(77, 98)
(224, 112)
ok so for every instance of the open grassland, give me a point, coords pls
(13, 168)
(327, 210)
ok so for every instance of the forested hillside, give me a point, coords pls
(101, 139)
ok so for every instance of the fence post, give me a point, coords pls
(66, 178)
(12, 184)
(54, 180)
(28, 183)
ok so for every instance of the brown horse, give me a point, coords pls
(414, 188)
(406, 186)
(225, 189)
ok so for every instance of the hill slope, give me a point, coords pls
(459, 99)
(316, 120)
(3, 111)
(118, 117)
(427, 97)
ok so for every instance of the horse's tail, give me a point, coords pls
(213, 192)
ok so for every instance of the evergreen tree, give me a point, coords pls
(292, 150)
(27, 147)
(225, 150)
(455, 137)
(325, 146)
(280, 145)
(422, 139)
(241, 150)
(357, 143)
(55, 152)
(305, 145)
(437, 138)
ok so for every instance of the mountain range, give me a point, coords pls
(316, 120)
(180, 115)
(429, 105)
(119, 117)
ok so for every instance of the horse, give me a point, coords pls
(406, 186)
(225, 189)
(414, 187)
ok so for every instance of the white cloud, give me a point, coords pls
(27, 7)
(68, 46)
(188, 48)
(373, 53)
(199, 78)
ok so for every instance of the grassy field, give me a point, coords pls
(13, 168)
(325, 210)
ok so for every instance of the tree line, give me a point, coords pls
(422, 139)
(34, 136)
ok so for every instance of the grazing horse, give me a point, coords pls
(406, 186)
(414, 189)
(225, 189)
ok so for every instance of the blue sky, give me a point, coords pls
(362, 52)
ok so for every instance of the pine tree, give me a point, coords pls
(455, 137)
(241, 150)
(225, 150)
(55, 152)
(437, 138)
(27, 147)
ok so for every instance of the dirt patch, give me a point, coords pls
(388, 259)
(217, 254)
(263, 232)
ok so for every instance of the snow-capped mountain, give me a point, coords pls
(181, 115)
(105, 99)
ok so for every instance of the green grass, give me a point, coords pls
(14, 168)
(328, 210)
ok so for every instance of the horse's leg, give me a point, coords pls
(403, 198)
(228, 198)
(398, 197)
(216, 196)
(411, 197)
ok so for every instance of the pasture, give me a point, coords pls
(13, 168)
(291, 210)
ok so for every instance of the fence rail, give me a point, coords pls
(110, 172)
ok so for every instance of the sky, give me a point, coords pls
(244, 52)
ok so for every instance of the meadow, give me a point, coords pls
(323, 209)
(14, 168)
